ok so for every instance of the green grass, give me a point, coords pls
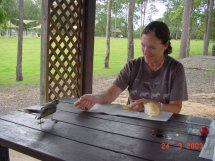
(30, 61)
(31, 57)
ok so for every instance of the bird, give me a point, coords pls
(45, 110)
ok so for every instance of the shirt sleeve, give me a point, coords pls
(124, 77)
(179, 85)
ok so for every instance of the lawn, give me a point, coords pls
(31, 57)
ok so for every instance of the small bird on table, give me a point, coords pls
(45, 111)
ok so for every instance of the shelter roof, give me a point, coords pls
(11, 25)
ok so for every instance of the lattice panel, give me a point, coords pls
(65, 48)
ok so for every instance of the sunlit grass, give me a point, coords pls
(31, 57)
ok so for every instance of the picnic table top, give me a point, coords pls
(82, 136)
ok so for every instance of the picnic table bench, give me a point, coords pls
(86, 136)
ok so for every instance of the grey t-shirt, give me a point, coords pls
(164, 85)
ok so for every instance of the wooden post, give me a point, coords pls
(44, 53)
(89, 25)
(4, 154)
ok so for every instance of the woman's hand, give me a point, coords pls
(138, 105)
(86, 102)
(173, 106)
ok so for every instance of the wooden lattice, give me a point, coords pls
(65, 48)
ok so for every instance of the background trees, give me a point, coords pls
(2, 13)
(10, 11)
(143, 12)
(144, 9)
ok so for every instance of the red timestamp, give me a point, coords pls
(190, 146)
(195, 146)
(165, 146)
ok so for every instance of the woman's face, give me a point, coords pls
(152, 47)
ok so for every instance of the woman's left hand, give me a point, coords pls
(138, 105)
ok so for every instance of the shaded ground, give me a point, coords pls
(201, 89)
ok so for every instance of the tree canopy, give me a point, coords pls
(172, 16)
(9, 11)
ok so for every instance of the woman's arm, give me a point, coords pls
(173, 106)
(87, 101)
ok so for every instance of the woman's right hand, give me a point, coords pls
(87, 101)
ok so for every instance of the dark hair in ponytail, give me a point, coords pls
(161, 31)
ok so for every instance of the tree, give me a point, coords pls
(142, 5)
(107, 54)
(143, 12)
(208, 27)
(130, 30)
(185, 38)
(11, 9)
(101, 18)
(172, 16)
(19, 76)
(2, 13)
(32, 10)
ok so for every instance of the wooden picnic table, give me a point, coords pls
(86, 136)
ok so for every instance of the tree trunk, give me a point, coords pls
(130, 30)
(107, 54)
(19, 76)
(208, 27)
(143, 14)
(115, 19)
(185, 37)
(144, 11)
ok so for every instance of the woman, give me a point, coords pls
(155, 77)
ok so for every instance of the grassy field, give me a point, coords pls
(31, 57)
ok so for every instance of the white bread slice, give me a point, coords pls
(151, 109)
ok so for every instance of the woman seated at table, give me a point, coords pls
(154, 77)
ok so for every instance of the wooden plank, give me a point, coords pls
(180, 127)
(107, 140)
(68, 100)
(156, 134)
(178, 118)
(4, 154)
(191, 119)
(44, 54)
(45, 146)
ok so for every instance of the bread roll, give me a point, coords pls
(151, 109)
(126, 107)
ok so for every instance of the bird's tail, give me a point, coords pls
(31, 110)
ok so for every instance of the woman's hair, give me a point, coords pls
(161, 31)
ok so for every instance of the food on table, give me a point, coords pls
(151, 109)
(126, 107)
